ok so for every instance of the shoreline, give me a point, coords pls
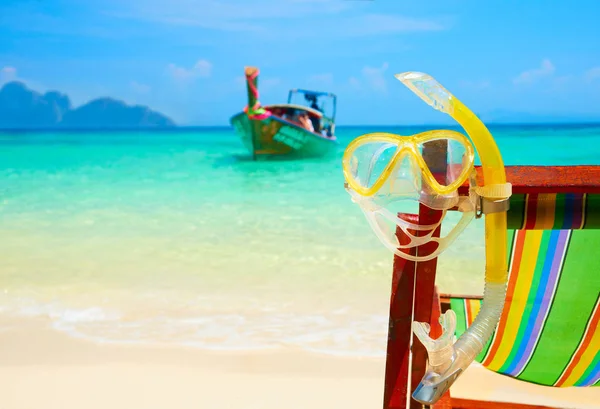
(565, 123)
(43, 368)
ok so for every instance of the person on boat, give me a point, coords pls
(313, 102)
(290, 115)
(305, 121)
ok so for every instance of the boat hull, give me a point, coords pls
(274, 136)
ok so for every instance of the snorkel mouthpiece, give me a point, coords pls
(370, 179)
(429, 90)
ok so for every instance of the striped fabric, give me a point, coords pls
(554, 211)
(549, 332)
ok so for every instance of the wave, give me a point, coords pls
(338, 332)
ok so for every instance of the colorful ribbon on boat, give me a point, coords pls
(256, 111)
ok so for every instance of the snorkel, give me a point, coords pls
(448, 360)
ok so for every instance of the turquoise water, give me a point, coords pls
(179, 238)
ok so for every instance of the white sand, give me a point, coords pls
(44, 369)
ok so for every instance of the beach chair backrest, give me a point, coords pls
(549, 332)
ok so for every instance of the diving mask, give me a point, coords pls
(386, 174)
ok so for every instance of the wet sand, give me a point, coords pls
(42, 368)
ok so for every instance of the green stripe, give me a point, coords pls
(592, 213)
(537, 275)
(458, 306)
(516, 213)
(575, 298)
(559, 211)
(515, 216)
(510, 242)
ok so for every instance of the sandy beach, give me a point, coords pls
(42, 368)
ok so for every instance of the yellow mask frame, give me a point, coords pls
(407, 144)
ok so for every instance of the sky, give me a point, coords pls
(507, 60)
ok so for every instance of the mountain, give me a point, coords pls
(108, 112)
(21, 107)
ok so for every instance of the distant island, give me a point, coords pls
(23, 108)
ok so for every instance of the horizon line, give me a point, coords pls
(191, 127)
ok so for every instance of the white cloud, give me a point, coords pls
(371, 77)
(289, 15)
(592, 74)
(8, 74)
(387, 24)
(374, 77)
(138, 88)
(337, 19)
(546, 69)
(354, 82)
(321, 79)
(202, 69)
(564, 80)
(231, 15)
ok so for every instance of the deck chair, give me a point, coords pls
(549, 332)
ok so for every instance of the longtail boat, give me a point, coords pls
(290, 129)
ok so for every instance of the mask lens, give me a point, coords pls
(369, 161)
(447, 159)
(459, 162)
(405, 179)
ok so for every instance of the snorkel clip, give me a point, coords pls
(491, 199)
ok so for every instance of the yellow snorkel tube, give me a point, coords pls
(446, 361)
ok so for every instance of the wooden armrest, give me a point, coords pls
(549, 179)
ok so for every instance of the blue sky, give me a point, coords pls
(504, 59)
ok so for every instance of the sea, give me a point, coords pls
(179, 238)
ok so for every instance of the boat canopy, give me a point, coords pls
(324, 102)
(316, 113)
